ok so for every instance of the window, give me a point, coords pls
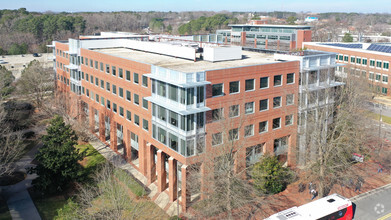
(96, 81)
(114, 107)
(233, 111)
(281, 145)
(352, 59)
(217, 114)
(378, 76)
(289, 99)
(101, 66)
(233, 87)
(120, 73)
(135, 78)
(290, 78)
(200, 94)
(121, 111)
(96, 64)
(97, 98)
(108, 104)
(249, 130)
(277, 80)
(364, 61)
(162, 135)
(91, 63)
(288, 120)
(114, 70)
(276, 123)
(358, 60)
(136, 99)
(346, 58)
(108, 86)
(249, 108)
(121, 92)
(190, 96)
(250, 84)
(217, 139)
(91, 79)
(378, 64)
(86, 77)
(145, 104)
(114, 89)
(371, 63)
(173, 92)
(102, 101)
(217, 89)
(173, 141)
(102, 84)
(161, 88)
(384, 91)
(385, 79)
(371, 76)
(128, 75)
(107, 68)
(264, 82)
(386, 65)
(262, 126)
(233, 134)
(136, 119)
(128, 95)
(263, 105)
(145, 125)
(144, 81)
(277, 102)
(128, 115)
(340, 57)
(173, 118)
(162, 114)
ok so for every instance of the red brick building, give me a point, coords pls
(370, 61)
(156, 106)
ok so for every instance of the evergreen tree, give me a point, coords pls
(270, 176)
(58, 158)
(347, 38)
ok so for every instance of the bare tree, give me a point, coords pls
(36, 82)
(335, 132)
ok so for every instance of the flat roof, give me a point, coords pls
(270, 25)
(356, 49)
(188, 66)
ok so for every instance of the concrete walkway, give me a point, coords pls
(19, 202)
(161, 199)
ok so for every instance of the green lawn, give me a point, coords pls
(375, 116)
(132, 184)
(92, 160)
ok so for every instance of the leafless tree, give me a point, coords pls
(335, 132)
(36, 82)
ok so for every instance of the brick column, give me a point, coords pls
(278, 44)
(292, 148)
(205, 170)
(240, 162)
(92, 119)
(172, 179)
(151, 166)
(269, 147)
(142, 155)
(102, 127)
(266, 42)
(255, 42)
(161, 172)
(127, 147)
(113, 135)
(185, 191)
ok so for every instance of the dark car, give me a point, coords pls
(35, 55)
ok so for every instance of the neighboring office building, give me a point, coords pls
(263, 36)
(154, 103)
(316, 95)
(370, 61)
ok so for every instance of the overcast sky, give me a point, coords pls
(366, 6)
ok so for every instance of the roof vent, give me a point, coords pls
(330, 200)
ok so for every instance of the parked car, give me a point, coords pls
(36, 55)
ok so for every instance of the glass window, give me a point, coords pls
(121, 111)
(128, 95)
(233, 134)
(145, 125)
(364, 61)
(135, 78)
(173, 92)
(182, 97)
(233, 87)
(114, 70)
(378, 76)
(385, 79)
(386, 65)
(121, 92)
(288, 120)
(262, 126)
(145, 104)
(102, 84)
(128, 115)
(249, 108)
(263, 104)
(114, 107)
(96, 81)
(190, 96)
(97, 98)
(91, 63)
(217, 139)
(289, 99)
(107, 68)
(136, 99)
(173, 142)
(384, 91)
(217, 89)
(277, 80)
(161, 88)
(162, 113)
(144, 81)
(250, 84)
(173, 118)
(120, 73)
(114, 89)
(249, 130)
(96, 64)
(190, 122)
(233, 111)
(378, 64)
(264, 82)
(162, 134)
(101, 66)
(290, 78)
(277, 102)
(276, 123)
(200, 94)
(108, 86)
(217, 114)
(128, 75)
(102, 101)
(136, 119)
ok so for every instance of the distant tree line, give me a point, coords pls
(207, 24)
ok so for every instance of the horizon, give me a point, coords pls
(298, 6)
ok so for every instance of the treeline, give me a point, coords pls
(207, 24)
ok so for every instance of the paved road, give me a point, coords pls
(375, 204)
(374, 107)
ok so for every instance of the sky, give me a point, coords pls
(364, 6)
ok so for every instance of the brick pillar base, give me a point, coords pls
(185, 191)
(102, 127)
(161, 172)
(113, 135)
(151, 166)
(92, 119)
(127, 146)
(172, 178)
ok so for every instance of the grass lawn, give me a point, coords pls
(47, 206)
(93, 157)
(132, 184)
(375, 116)
(4, 212)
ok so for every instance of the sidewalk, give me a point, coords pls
(19, 202)
(161, 199)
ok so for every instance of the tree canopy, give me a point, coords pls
(207, 24)
(347, 38)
